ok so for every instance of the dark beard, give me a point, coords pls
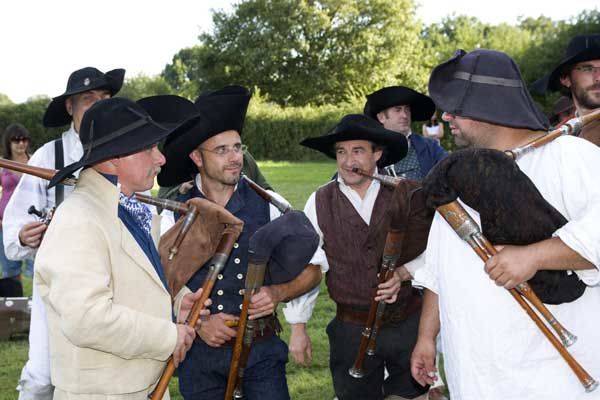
(585, 99)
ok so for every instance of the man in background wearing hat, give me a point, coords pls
(350, 215)
(23, 232)
(109, 308)
(210, 152)
(396, 107)
(578, 77)
(492, 350)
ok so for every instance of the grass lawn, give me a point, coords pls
(295, 181)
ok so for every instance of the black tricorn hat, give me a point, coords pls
(168, 110)
(421, 106)
(216, 112)
(361, 127)
(82, 80)
(288, 243)
(485, 85)
(580, 48)
(113, 128)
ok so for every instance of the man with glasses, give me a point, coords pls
(23, 232)
(210, 152)
(578, 77)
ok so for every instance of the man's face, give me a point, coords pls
(220, 158)
(79, 103)
(584, 82)
(355, 154)
(396, 119)
(469, 132)
(137, 171)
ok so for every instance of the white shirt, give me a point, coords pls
(492, 349)
(32, 190)
(300, 309)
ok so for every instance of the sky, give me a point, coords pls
(42, 42)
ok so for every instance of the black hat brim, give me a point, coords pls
(396, 145)
(132, 142)
(553, 79)
(421, 106)
(56, 113)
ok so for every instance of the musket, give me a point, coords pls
(387, 180)
(393, 245)
(468, 230)
(215, 266)
(281, 206)
(571, 127)
(254, 280)
(48, 174)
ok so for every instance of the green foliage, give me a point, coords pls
(142, 86)
(343, 48)
(5, 100)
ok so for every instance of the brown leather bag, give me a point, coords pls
(199, 244)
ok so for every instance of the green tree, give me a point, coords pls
(305, 51)
(5, 100)
(142, 86)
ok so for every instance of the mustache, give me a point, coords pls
(234, 165)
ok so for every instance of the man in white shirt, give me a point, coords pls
(351, 216)
(23, 232)
(492, 350)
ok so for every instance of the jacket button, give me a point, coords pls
(240, 306)
(220, 276)
(240, 276)
(236, 260)
(241, 292)
(220, 307)
(236, 245)
(220, 292)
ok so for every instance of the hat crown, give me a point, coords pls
(582, 43)
(107, 116)
(83, 77)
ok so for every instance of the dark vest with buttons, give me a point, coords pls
(353, 248)
(254, 211)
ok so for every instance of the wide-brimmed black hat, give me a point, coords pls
(82, 80)
(485, 85)
(168, 110)
(113, 128)
(216, 112)
(421, 106)
(288, 243)
(361, 127)
(580, 48)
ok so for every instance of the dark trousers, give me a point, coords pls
(204, 372)
(395, 343)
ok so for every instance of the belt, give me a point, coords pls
(265, 327)
(393, 312)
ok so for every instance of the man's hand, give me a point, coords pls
(388, 290)
(31, 234)
(300, 345)
(422, 362)
(185, 339)
(512, 265)
(186, 307)
(214, 330)
(264, 302)
(186, 187)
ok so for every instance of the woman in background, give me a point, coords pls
(16, 144)
(433, 128)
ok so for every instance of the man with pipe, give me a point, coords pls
(492, 350)
(578, 77)
(23, 232)
(210, 152)
(109, 310)
(351, 216)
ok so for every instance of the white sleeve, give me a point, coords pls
(31, 191)
(423, 267)
(273, 211)
(300, 309)
(579, 162)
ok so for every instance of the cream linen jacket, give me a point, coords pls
(109, 315)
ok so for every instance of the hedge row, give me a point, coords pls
(271, 132)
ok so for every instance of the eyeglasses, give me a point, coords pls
(18, 139)
(222, 151)
(587, 69)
